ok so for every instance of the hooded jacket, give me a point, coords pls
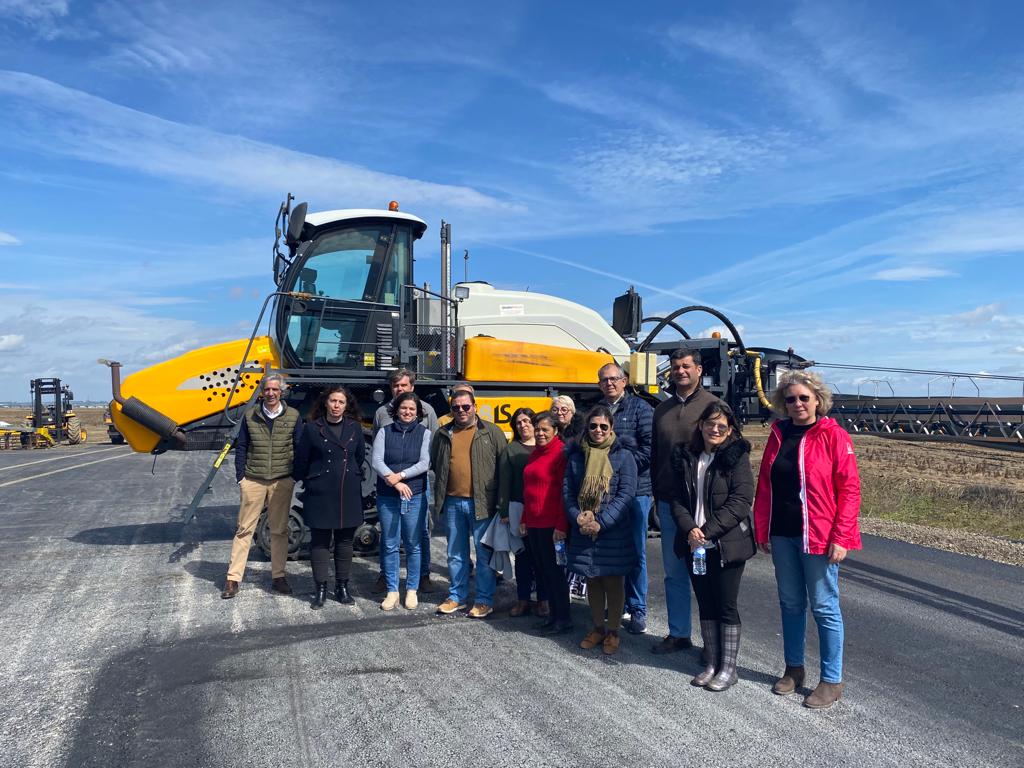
(829, 488)
(728, 493)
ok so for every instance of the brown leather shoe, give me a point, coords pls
(542, 609)
(480, 611)
(520, 609)
(610, 644)
(380, 586)
(230, 589)
(593, 639)
(281, 586)
(791, 679)
(824, 696)
(449, 606)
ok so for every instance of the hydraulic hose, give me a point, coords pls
(693, 308)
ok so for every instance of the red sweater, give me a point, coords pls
(542, 487)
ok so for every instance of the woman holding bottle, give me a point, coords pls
(711, 508)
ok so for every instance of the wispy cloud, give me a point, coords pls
(8, 239)
(10, 341)
(911, 273)
(93, 129)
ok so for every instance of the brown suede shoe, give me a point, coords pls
(824, 696)
(450, 606)
(791, 679)
(610, 644)
(593, 639)
(520, 609)
(480, 611)
(281, 586)
(230, 589)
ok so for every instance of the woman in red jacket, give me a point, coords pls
(544, 518)
(805, 515)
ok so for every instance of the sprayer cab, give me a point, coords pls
(345, 286)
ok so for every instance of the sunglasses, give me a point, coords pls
(600, 427)
(790, 399)
(463, 407)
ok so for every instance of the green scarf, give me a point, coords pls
(597, 476)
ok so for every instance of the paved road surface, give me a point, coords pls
(119, 652)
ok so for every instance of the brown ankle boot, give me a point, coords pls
(791, 679)
(824, 696)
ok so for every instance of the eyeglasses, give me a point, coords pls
(464, 407)
(711, 426)
(562, 409)
(609, 379)
(599, 427)
(790, 399)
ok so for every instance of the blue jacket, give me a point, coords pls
(634, 420)
(614, 552)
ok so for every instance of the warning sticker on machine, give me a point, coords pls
(511, 309)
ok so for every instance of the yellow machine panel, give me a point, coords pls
(489, 359)
(194, 385)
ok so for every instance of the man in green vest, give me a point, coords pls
(263, 467)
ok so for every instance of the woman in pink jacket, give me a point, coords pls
(805, 515)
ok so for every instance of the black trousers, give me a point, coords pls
(718, 590)
(320, 550)
(526, 575)
(550, 573)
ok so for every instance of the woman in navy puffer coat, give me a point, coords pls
(600, 484)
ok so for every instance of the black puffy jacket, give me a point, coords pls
(729, 495)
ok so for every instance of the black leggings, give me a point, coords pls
(718, 590)
(550, 573)
(320, 553)
(526, 575)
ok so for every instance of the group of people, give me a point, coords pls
(572, 495)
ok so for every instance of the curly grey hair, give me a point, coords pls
(812, 381)
(275, 377)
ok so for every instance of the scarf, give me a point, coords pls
(597, 474)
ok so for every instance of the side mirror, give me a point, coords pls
(295, 222)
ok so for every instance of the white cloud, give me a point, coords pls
(96, 130)
(979, 315)
(8, 239)
(11, 341)
(911, 273)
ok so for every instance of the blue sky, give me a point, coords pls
(844, 179)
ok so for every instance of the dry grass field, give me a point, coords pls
(92, 420)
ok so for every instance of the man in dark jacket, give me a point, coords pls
(675, 420)
(264, 453)
(464, 455)
(633, 420)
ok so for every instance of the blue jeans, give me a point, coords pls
(425, 541)
(677, 577)
(401, 521)
(460, 518)
(802, 578)
(636, 580)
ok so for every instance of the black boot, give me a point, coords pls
(320, 596)
(341, 593)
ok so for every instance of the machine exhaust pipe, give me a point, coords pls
(138, 411)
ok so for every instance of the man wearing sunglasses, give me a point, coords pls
(675, 420)
(633, 423)
(464, 455)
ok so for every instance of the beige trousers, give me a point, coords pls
(277, 496)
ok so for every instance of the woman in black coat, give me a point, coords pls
(329, 462)
(599, 487)
(714, 494)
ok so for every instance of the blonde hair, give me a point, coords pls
(812, 381)
(563, 400)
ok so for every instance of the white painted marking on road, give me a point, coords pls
(59, 458)
(64, 469)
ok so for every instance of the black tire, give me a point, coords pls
(73, 432)
(117, 439)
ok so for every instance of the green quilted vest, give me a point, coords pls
(270, 451)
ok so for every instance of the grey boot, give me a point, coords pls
(727, 676)
(709, 632)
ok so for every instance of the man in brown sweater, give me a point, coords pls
(675, 420)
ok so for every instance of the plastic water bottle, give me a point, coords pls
(700, 562)
(560, 552)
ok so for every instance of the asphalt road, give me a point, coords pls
(118, 651)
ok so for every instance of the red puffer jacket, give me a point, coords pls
(829, 484)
